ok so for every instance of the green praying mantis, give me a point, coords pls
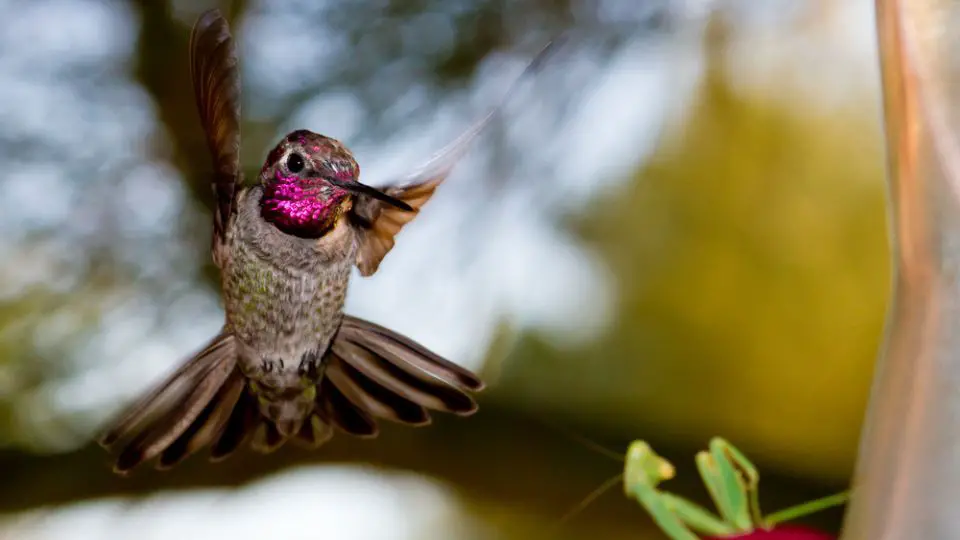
(731, 480)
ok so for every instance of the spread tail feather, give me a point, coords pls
(184, 411)
(169, 393)
(208, 425)
(373, 372)
(242, 422)
(313, 433)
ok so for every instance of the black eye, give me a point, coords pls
(295, 163)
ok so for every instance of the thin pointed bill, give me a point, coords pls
(363, 189)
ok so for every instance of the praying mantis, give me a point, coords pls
(731, 480)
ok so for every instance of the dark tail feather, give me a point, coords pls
(347, 416)
(371, 373)
(407, 354)
(242, 422)
(209, 425)
(375, 371)
(370, 396)
(157, 421)
(314, 432)
(169, 393)
(266, 437)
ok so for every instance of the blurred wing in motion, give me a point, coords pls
(216, 85)
(379, 222)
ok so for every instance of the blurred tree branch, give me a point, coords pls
(496, 455)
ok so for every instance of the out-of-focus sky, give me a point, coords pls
(102, 276)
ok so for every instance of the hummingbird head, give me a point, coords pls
(303, 182)
(309, 182)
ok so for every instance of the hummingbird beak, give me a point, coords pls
(363, 189)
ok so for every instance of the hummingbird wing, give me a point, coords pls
(216, 86)
(378, 222)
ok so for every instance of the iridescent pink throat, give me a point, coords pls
(297, 206)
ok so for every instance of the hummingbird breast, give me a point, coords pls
(284, 297)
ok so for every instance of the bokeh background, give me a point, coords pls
(677, 230)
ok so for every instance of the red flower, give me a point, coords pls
(781, 532)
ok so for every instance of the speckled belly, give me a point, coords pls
(283, 314)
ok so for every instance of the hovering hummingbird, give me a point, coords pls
(288, 364)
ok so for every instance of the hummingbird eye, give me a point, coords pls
(295, 163)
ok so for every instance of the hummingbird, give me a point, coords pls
(288, 363)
